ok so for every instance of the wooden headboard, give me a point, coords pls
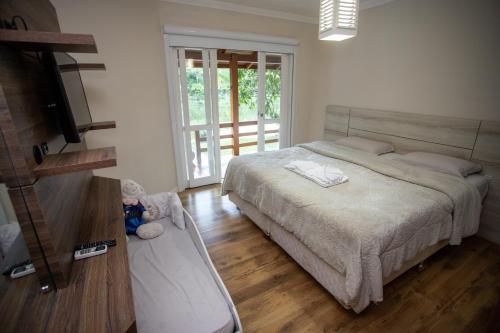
(477, 140)
(464, 138)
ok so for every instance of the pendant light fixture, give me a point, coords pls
(338, 19)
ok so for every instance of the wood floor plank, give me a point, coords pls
(458, 291)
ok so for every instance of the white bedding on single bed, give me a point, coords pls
(172, 287)
(365, 228)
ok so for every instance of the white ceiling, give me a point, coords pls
(297, 10)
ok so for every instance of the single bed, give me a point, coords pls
(355, 237)
(175, 285)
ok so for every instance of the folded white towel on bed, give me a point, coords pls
(323, 175)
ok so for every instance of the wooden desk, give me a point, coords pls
(99, 295)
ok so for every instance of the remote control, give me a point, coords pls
(90, 252)
(109, 243)
(12, 267)
(22, 271)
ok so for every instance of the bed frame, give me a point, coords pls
(477, 140)
(322, 272)
(202, 250)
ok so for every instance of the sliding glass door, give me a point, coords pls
(228, 102)
(197, 74)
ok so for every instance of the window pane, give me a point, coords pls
(195, 87)
(273, 86)
(224, 87)
(248, 138)
(247, 94)
(272, 137)
(200, 161)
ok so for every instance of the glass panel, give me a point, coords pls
(248, 139)
(224, 87)
(226, 146)
(247, 93)
(273, 86)
(202, 163)
(272, 137)
(13, 249)
(195, 87)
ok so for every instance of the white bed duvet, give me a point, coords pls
(367, 227)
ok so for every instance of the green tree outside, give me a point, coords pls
(247, 94)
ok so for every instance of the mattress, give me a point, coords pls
(364, 229)
(172, 286)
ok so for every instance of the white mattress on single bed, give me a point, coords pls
(172, 287)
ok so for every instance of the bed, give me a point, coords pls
(175, 285)
(354, 237)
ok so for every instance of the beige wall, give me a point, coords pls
(133, 90)
(437, 57)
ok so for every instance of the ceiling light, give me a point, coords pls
(338, 19)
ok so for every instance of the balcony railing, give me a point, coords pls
(235, 138)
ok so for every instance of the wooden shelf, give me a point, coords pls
(76, 161)
(83, 67)
(50, 41)
(102, 125)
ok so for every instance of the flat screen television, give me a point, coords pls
(70, 101)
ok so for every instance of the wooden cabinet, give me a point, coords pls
(58, 203)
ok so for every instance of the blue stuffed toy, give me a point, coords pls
(134, 215)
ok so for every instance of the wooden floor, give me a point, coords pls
(458, 291)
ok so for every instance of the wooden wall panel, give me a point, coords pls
(25, 89)
(25, 121)
(30, 236)
(337, 118)
(333, 135)
(14, 167)
(7, 173)
(27, 93)
(434, 129)
(59, 201)
(404, 145)
(488, 143)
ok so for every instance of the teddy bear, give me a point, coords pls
(137, 218)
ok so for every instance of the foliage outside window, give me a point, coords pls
(247, 85)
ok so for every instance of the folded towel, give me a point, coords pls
(323, 175)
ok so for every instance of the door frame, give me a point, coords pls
(218, 39)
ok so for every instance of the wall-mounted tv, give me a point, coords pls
(70, 102)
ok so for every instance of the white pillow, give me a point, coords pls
(442, 163)
(370, 146)
(164, 204)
